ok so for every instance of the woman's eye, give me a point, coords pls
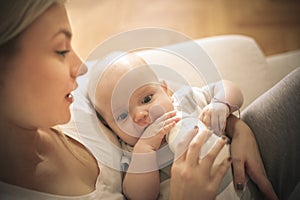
(122, 116)
(147, 99)
(63, 52)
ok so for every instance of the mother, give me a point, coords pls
(38, 74)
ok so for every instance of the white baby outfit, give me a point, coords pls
(190, 101)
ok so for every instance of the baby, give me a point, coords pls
(144, 113)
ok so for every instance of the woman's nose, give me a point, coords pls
(82, 69)
(78, 67)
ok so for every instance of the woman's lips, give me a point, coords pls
(69, 98)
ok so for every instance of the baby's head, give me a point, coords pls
(129, 97)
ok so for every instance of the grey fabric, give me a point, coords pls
(275, 120)
(296, 193)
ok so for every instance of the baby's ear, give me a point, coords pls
(164, 85)
(166, 88)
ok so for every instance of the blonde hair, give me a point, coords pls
(17, 15)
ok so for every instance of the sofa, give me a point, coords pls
(235, 57)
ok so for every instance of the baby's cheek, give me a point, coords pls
(156, 111)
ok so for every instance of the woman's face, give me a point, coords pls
(37, 85)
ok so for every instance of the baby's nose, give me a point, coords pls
(141, 117)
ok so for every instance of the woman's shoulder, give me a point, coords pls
(70, 171)
(109, 180)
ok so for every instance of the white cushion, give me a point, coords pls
(240, 59)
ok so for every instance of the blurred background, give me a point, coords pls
(274, 24)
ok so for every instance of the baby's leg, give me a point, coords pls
(275, 120)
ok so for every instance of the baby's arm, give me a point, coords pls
(226, 97)
(142, 185)
(142, 178)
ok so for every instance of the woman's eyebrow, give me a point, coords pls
(65, 32)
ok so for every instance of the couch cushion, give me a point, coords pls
(237, 58)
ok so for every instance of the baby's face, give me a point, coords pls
(145, 105)
(130, 99)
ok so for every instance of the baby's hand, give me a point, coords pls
(214, 116)
(155, 133)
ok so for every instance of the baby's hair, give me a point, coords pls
(102, 120)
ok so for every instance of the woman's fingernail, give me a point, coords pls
(239, 186)
(196, 127)
(228, 141)
(229, 159)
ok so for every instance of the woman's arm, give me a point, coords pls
(248, 159)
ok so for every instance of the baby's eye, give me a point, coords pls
(147, 99)
(122, 116)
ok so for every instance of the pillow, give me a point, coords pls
(239, 59)
(85, 127)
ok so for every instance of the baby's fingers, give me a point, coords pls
(171, 120)
(168, 126)
(205, 117)
(166, 116)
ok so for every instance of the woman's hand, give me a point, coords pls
(247, 160)
(192, 178)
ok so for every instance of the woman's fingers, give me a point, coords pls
(220, 172)
(210, 157)
(195, 146)
(239, 173)
(182, 146)
(197, 178)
